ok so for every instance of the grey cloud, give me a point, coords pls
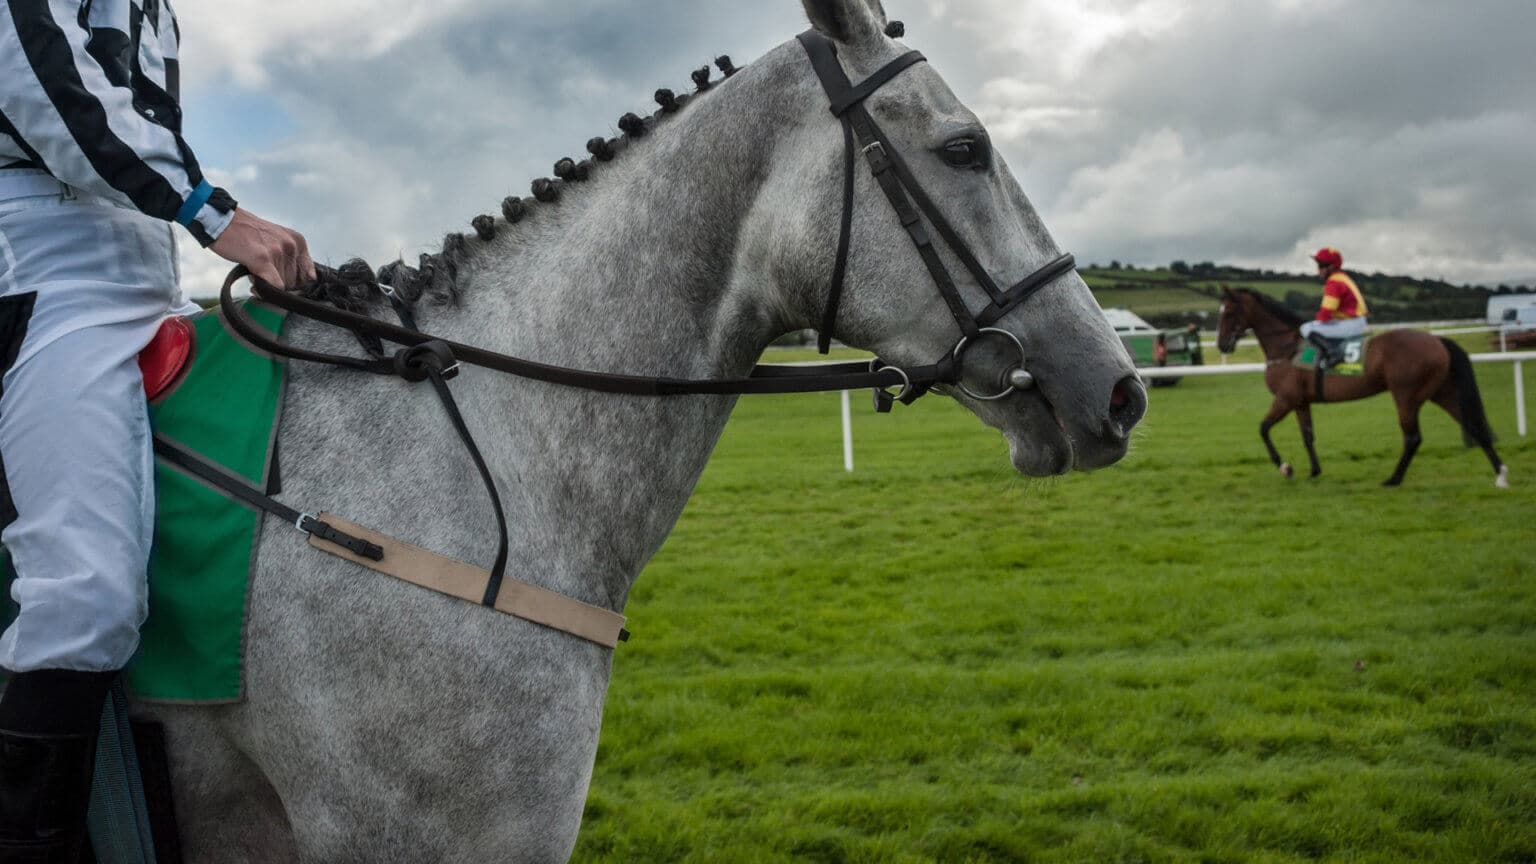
(1402, 127)
(1244, 133)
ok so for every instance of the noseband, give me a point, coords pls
(862, 133)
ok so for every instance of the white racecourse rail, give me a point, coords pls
(1516, 357)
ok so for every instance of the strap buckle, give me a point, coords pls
(879, 160)
(299, 523)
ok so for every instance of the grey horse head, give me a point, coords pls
(1088, 395)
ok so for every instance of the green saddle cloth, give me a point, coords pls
(1354, 357)
(192, 645)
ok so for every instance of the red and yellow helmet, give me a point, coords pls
(1329, 257)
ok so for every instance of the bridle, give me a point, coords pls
(896, 180)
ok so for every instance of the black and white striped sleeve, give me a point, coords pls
(88, 131)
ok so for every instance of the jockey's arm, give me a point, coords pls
(1330, 304)
(88, 131)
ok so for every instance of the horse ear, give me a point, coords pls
(1226, 292)
(846, 20)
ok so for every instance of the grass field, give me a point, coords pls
(1182, 658)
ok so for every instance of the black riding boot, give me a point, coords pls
(48, 725)
(1327, 357)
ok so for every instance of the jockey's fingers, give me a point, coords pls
(306, 274)
(266, 269)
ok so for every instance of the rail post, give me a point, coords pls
(848, 435)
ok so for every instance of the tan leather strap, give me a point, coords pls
(444, 575)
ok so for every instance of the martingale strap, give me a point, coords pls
(433, 362)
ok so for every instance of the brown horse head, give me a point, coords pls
(1234, 319)
(1243, 309)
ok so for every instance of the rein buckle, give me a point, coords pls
(885, 400)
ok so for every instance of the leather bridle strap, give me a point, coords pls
(907, 197)
(765, 378)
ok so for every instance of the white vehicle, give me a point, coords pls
(1125, 321)
(1510, 308)
(1149, 346)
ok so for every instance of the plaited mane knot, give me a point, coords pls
(546, 190)
(350, 286)
(485, 226)
(513, 209)
(895, 29)
(727, 68)
(601, 149)
(397, 274)
(570, 170)
(667, 100)
(632, 125)
(701, 79)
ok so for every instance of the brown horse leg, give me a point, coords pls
(1277, 412)
(1304, 419)
(1448, 399)
(1408, 419)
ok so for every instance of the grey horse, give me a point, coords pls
(386, 723)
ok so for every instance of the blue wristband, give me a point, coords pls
(194, 203)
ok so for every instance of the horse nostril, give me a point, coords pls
(1127, 404)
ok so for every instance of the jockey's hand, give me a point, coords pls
(276, 255)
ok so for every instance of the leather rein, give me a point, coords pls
(418, 347)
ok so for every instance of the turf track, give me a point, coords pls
(1182, 658)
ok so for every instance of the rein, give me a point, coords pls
(407, 362)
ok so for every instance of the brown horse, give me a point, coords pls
(1415, 366)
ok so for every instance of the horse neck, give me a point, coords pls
(634, 272)
(1276, 338)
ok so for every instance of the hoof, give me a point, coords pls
(1287, 471)
(1393, 481)
(1316, 473)
(1503, 479)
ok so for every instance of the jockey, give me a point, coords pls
(1343, 311)
(93, 169)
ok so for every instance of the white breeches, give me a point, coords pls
(85, 284)
(1345, 328)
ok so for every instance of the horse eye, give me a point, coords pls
(966, 153)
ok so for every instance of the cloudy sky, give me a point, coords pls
(1241, 131)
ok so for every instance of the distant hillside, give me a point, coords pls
(1174, 295)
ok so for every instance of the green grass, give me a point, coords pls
(1182, 658)
(1157, 301)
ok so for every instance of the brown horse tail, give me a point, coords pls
(1475, 430)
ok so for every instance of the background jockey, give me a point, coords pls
(93, 169)
(1343, 311)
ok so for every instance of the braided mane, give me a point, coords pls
(354, 286)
